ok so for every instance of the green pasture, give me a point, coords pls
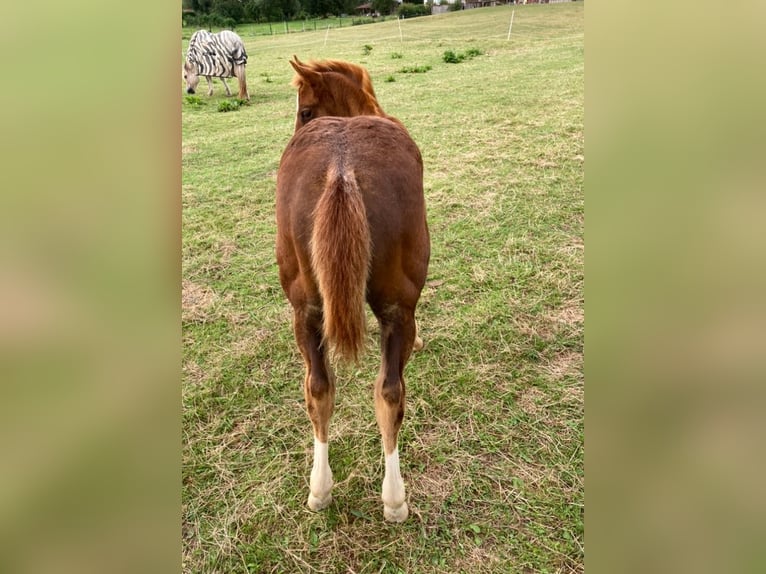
(294, 26)
(492, 442)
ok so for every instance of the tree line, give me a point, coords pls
(230, 12)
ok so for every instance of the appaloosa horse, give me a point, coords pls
(351, 226)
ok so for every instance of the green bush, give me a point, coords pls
(231, 105)
(414, 69)
(194, 101)
(452, 58)
(209, 21)
(413, 10)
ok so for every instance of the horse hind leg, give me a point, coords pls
(319, 392)
(225, 85)
(397, 338)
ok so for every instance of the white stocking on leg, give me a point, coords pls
(394, 506)
(321, 478)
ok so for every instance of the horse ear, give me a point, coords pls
(299, 66)
(311, 76)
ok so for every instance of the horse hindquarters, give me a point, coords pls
(394, 290)
(324, 279)
(340, 258)
(331, 181)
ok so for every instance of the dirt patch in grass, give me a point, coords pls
(196, 302)
(530, 399)
(435, 483)
(249, 342)
(571, 314)
(478, 559)
(563, 364)
(193, 373)
(227, 249)
(574, 394)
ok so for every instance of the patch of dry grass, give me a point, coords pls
(196, 302)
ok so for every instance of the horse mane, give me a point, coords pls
(353, 72)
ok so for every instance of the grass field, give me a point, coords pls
(492, 442)
(246, 31)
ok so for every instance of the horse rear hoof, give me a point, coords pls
(396, 514)
(316, 504)
(418, 344)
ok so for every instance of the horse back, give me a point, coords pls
(218, 55)
(388, 169)
(386, 162)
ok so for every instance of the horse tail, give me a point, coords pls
(239, 73)
(340, 256)
(238, 55)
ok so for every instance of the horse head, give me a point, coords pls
(190, 76)
(332, 88)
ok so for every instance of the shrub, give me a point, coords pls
(366, 49)
(413, 10)
(209, 21)
(194, 101)
(231, 105)
(396, 56)
(451, 57)
(390, 78)
(415, 69)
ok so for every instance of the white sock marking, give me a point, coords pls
(394, 506)
(393, 485)
(321, 477)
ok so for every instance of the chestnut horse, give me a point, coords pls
(351, 226)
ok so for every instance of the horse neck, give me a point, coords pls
(363, 105)
(355, 100)
(370, 108)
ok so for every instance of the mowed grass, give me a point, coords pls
(492, 442)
